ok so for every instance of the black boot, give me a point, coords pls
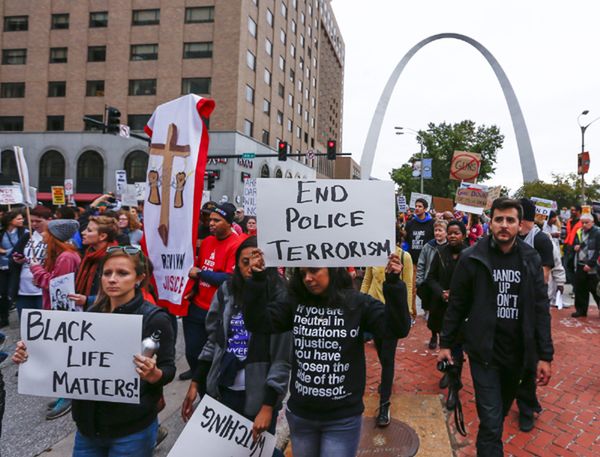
(444, 381)
(433, 342)
(454, 384)
(383, 418)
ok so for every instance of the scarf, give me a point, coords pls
(87, 270)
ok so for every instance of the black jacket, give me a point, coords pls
(592, 244)
(115, 420)
(472, 298)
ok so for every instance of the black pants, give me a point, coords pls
(2, 400)
(194, 334)
(568, 259)
(5, 294)
(386, 351)
(526, 397)
(495, 389)
(584, 284)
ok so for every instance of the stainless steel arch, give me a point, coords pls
(528, 166)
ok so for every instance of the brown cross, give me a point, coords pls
(168, 152)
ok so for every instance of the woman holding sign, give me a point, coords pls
(125, 429)
(327, 318)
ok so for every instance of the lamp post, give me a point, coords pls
(400, 131)
(583, 129)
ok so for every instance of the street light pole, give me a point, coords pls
(583, 129)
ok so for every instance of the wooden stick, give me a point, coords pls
(30, 230)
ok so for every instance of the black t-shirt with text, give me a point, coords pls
(508, 338)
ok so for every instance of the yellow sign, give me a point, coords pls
(58, 195)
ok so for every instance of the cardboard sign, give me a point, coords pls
(60, 288)
(86, 356)
(413, 199)
(68, 187)
(11, 195)
(325, 222)
(465, 166)
(442, 204)
(250, 197)
(220, 432)
(58, 195)
(493, 194)
(121, 181)
(471, 198)
(401, 203)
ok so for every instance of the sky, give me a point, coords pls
(548, 49)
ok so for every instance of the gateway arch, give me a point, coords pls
(528, 166)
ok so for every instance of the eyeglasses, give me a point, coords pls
(129, 250)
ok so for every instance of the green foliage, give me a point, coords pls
(440, 143)
(565, 189)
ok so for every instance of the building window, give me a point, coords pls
(60, 21)
(202, 50)
(264, 171)
(283, 9)
(57, 88)
(55, 123)
(16, 23)
(279, 117)
(11, 124)
(299, 109)
(250, 94)
(58, 55)
(293, 26)
(12, 90)
(290, 100)
(251, 60)
(265, 137)
(288, 174)
(281, 63)
(282, 36)
(267, 77)
(14, 56)
(278, 173)
(90, 173)
(93, 127)
(301, 41)
(99, 19)
(268, 46)
(292, 75)
(145, 17)
(300, 85)
(137, 122)
(248, 127)
(306, 137)
(200, 14)
(267, 107)
(142, 87)
(292, 50)
(280, 90)
(290, 125)
(143, 52)
(136, 165)
(298, 132)
(252, 27)
(96, 53)
(195, 86)
(269, 17)
(9, 172)
(94, 89)
(52, 171)
(302, 18)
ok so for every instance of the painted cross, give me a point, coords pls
(168, 152)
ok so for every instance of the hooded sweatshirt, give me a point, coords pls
(418, 233)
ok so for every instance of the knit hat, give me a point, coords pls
(528, 209)
(63, 229)
(226, 211)
(208, 207)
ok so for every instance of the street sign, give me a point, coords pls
(465, 166)
(426, 168)
(124, 130)
(583, 163)
(248, 155)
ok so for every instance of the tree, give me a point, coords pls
(440, 143)
(564, 189)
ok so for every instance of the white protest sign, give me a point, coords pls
(60, 287)
(86, 356)
(11, 195)
(471, 198)
(250, 197)
(23, 176)
(401, 202)
(220, 432)
(129, 197)
(68, 187)
(544, 206)
(140, 191)
(413, 199)
(325, 222)
(121, 181)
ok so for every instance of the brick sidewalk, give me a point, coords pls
(570, 422)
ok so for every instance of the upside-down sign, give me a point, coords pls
(465, 166)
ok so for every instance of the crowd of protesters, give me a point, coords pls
(484, 282)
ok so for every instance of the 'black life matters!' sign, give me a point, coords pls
(325, 222)
(81, 355)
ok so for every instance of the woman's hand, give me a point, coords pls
(20, 355)
(19, 258)
(147, 369)
(262, 421)
(257, 260)
(394, 265)
(187, 408)
(80, 300)
(101, 199)
(33, 262)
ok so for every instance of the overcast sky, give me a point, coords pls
(550, 51)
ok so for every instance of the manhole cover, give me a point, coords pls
(395, 440)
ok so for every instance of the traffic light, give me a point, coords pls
(282, 148)
(113, 119)
(331, 149)
(211, 181)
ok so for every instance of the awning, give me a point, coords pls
(79, 198)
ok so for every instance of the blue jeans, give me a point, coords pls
(28, 302)
(140, 444)
(194, 334)
(316, 438)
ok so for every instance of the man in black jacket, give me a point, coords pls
(498, 288)
(587, 250)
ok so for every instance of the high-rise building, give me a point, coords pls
(274, 67)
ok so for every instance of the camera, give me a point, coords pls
(443, 366)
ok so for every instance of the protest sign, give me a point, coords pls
(205, 196)
(175, 179)
(220, 432)
(413, 198)
(60, 288)
(121, 181)
(86, 356)
(250, 197)
(140, 191)
(543, 206)
(441, 204)
(11, 195)
(471, 198)
(325, 222)
(23, 176)
(129, 196)
(493, 194)
(58, 195)
(401, 202)
(465, 166)
(68, 187)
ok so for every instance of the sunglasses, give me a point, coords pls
(129, 250)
